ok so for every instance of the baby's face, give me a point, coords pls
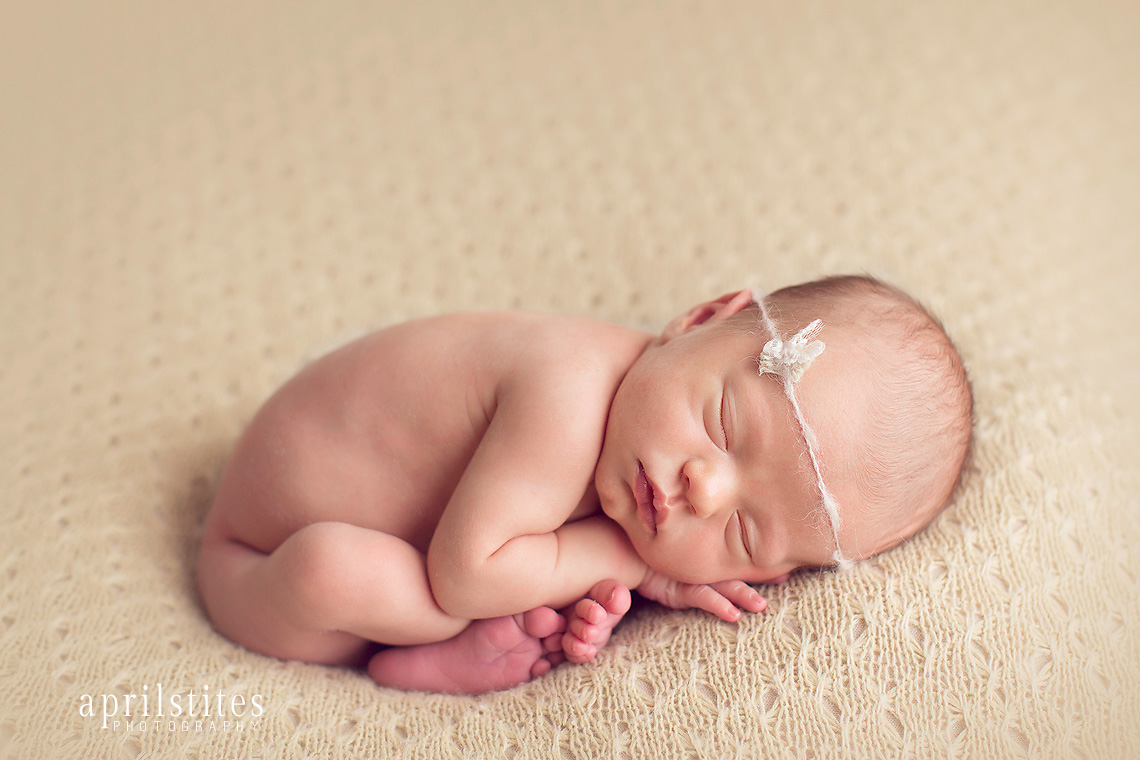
(704, 467)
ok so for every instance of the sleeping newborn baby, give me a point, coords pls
(460, 503)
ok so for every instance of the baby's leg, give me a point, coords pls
(323, 595)
(331, 589)
(490, 655)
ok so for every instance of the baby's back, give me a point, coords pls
(379, 432)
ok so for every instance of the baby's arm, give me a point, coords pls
(503, 545)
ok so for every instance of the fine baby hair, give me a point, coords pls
(918, 435)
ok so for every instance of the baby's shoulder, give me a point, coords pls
(536, 363)
(557, 380)
(570, 350)
(566, 364)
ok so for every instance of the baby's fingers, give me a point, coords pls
(742, 595)
(709, 599)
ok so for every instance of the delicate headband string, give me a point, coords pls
(787, 360)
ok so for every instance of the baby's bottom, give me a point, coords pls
(331, 590)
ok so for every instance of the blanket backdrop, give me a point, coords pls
(197, 198)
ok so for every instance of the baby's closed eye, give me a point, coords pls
(745, 540)
(723, 429)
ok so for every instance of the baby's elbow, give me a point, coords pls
(452, 595)
(454, 585)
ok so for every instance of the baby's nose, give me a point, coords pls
(708, 488)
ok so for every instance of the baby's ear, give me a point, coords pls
(708, 312)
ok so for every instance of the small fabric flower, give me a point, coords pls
(790, 358)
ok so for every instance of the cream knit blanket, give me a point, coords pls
(196, 198)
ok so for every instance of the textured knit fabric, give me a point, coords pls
(197, 198)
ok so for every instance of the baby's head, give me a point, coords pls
(706, 463)
(893, 400)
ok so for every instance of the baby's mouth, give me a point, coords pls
(643, 492)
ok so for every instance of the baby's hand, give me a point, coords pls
(592, 619)
(721, 599)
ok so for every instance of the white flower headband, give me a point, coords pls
(788, 360)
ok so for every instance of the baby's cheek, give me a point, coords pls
(691, 567)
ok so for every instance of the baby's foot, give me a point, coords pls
(489, 655)
(592, 619)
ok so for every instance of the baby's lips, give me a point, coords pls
(643, 493)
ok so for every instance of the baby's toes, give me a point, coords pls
(552, 643)
(618, 601)
(576, 650)
(587, 632)
(542, 622)
(590, 611)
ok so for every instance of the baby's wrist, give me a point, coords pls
(639, 570)
(641, 574)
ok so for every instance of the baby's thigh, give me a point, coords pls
(324, 591)
(277, 603)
